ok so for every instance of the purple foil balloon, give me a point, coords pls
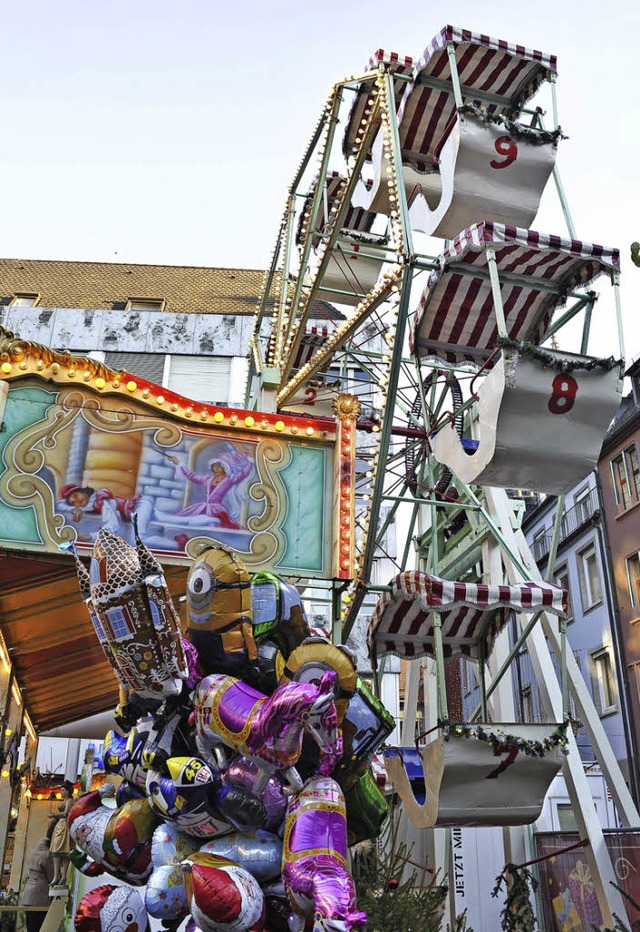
(191, 655)
(243, 771)
(314, 868)
(269, 728)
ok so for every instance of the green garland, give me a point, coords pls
(499, 740)
(538, 137)
(552, 360)
(517, 915)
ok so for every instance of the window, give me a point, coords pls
(145, 304)
(632, 458)
(582, 505)
(25, 299)
(602, 681)
(526, 705)
(635, 669)
(566, 818)
(119, 624)
(633, 578)
(589, 574)
(202, 378)
(149, 366)
(625, 473)
(562, 580)
(468, 677)
(540, 544)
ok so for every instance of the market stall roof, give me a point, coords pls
(403, 619)
(58, 662)
(455, 318)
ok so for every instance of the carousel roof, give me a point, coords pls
(402, 622)
(57, 659)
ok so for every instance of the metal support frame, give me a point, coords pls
(494, 511)
(609, 899)
(498, 306)
(385, 435)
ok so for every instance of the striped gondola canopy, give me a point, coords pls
(403, 619)
(500, 75)
(400, 67)
(455, 317)
(356, 219)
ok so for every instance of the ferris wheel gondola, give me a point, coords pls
(466, 780)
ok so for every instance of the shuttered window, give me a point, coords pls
(202, 378)
(149, 366)
(602, 681)
(589, 574)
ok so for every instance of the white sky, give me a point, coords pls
(165, 132)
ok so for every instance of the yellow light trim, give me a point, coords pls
(29, 727)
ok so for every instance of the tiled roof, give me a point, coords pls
(109, 285)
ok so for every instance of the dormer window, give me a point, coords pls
(25, 299)
(145, 304)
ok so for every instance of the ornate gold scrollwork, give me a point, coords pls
(346, 406)
(20, 485)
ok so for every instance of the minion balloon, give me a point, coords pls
(219, 611)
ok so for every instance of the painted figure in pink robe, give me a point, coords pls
(226, 471)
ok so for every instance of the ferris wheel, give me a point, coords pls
(408, 226)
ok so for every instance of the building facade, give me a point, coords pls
(619, 478)
(582, 568)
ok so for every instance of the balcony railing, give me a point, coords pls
(572, 520)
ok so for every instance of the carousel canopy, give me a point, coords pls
(455, 317)
(403, 619)
(57, 659)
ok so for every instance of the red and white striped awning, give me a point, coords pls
(356, 218)
(313, 339)
(503, 74)
(402, 621)
(455, 318)
(397, 65)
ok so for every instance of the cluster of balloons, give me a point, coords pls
(244, 751)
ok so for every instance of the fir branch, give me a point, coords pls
(500, 740)
(517, 914)
(552, 360)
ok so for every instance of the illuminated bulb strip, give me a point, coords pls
(295, 331)
(331, 232)
(284, 317)
(339, 337)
